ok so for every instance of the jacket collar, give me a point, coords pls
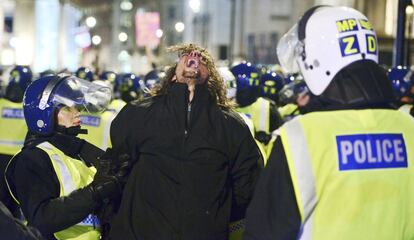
(178, 93)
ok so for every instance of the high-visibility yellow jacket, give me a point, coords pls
(13, 127)
(72, 175)
(352, 173)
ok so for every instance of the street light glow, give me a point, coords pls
(123, 56)
(126, 5)
(122, 37)
(195, 5)
(90, 22)
(14, 42)
(409, 10)
(179, 26)
(159, 33)
(96, 40)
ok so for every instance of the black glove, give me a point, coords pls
(120, 164)
(262, 137)
(105, 186)
(122, 167)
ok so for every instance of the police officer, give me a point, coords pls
(52, 177)
(13, 127)
(345, 171)
(402, 80)
(153, 78)
(270, 85)
(231, 90)
(293, 98)
(129, 87)
(262, 111)
(85, 73)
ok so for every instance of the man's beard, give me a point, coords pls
(190, 76)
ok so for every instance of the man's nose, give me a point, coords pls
(194, 54)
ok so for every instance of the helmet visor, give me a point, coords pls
(288, 50)
(82, 94)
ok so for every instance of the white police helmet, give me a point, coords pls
(325, 40)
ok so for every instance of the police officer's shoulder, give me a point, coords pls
(30, 158)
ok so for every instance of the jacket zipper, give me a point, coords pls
(188, 120)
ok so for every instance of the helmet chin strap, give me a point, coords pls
(73, 131)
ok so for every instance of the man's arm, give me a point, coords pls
(124, 127)
(245, 171)
(273, 212)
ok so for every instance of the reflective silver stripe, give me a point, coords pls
(11, 143)
(7, 181)
(306, 231)
(106, 133)
(263, 116)
(66, 181)
(47, 91)
(90, 220)
(305, 179)
(405, 108)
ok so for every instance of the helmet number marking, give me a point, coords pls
(349, 45)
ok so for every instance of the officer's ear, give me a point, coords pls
(174, 78)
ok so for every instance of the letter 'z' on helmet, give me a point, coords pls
(325, 40)
(46, 95)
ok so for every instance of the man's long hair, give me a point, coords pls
(215, 83)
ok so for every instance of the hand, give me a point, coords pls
(123, 167)
(119, 164)
(105, 185)
(262, 137)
